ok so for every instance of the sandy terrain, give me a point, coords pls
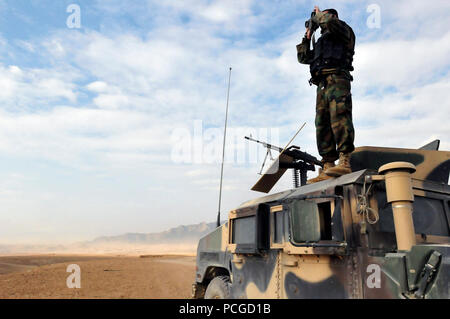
(101, 277)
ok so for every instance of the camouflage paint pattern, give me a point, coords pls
(355, 259)
(430, 165)
(334, 126)
(338, 28)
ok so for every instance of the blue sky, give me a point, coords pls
(87, 115)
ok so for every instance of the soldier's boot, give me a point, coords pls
(322, 176)
(342, 168)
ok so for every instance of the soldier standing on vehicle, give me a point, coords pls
(330, 65)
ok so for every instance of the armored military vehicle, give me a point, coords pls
(382, 231)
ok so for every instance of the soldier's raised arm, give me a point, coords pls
(304, 53)
(328, 22)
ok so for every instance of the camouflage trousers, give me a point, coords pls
(334, 125)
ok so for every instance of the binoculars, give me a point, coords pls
(310, 24)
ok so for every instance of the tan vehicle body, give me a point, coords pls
(380, 232)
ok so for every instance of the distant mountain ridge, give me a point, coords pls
(180, 234)
(181, 239)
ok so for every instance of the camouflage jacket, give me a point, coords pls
(338, 28)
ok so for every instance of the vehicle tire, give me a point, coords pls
(218, 288)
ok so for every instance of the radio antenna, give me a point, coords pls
(223, 150)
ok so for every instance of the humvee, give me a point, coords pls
(382, 231)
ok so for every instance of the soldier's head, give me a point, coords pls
(332, 11)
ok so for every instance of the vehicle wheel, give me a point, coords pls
(218, 288)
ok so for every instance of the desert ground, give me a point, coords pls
(145, 276)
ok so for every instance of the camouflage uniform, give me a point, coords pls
(334, 126)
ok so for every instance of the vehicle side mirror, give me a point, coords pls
(304, 221)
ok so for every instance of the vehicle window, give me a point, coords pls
(244, 230)
(325, 220)
(304, 221)
(278, 227)
(428, 216)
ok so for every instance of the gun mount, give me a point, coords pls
(290, 157)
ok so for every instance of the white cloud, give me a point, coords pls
(107, 103)
(33, 88)
(226, 11)
(26, 45)
(71, 136)
(111, 101)
(408, 118)
(215, 11)
(97, 86)
(401, 63)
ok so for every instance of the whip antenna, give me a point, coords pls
(223, 150)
